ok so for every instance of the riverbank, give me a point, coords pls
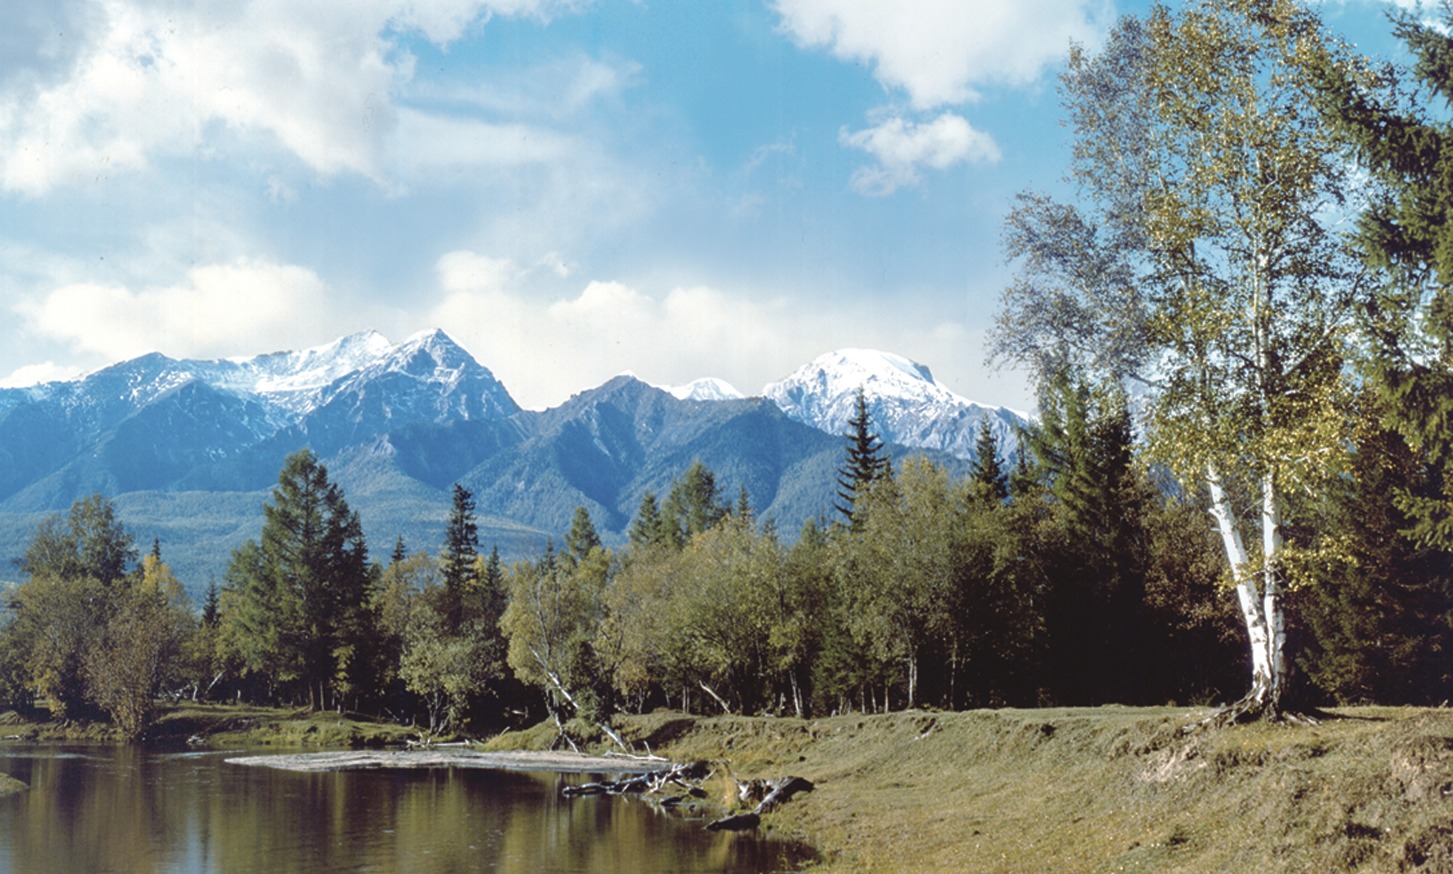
(223, 725)
(1088, 789)
(1094, 789)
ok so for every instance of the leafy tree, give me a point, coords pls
(89, 542)
(138, 648)
(552, 622)
(866, 462)
(1207, 267)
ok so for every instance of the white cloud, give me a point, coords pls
(35, 374)
(942, 51)
(545, 348)
(221, 309)
(902, 147)
(156, 77)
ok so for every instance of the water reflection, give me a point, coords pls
(128, 810)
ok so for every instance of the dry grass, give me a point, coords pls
(1101, 789)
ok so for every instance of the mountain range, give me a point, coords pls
(188, 450)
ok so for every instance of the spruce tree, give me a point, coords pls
(987, 472)
(866, 462)
(461, 554)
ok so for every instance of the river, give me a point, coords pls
(125, 809)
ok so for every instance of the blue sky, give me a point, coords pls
(570, 188)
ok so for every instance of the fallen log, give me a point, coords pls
(782, 790)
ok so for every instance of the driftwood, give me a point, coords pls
(649, 782)
(767, 794)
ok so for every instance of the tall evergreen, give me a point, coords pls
(694, 504)
(582, 536)
(458, 564)
(648, 529)
(987, 470)
(866, 462)
(299, 592)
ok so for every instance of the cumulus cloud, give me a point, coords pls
(942, 51)
(938, 53)
(902, 147)
(221, 309)
(153, 77)
(545, 347)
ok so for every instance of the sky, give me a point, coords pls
(569, 188)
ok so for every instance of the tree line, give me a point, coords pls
(1240, 328)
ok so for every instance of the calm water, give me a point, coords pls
(129, 810)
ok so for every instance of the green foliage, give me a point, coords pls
(89, 542)
(1380, 610)
(694, 504)
(551, 623)
(137, 649)
(986, 473)
(294, 602)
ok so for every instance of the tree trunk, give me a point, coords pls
(1261, 611)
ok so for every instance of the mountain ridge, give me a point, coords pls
(185, 445)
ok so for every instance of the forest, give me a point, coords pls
(1241, 332)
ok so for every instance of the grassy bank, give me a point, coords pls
(1103, 789)
(222, 725)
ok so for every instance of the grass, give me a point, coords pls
(225, 725)
(1094, 790)
(1076, 790)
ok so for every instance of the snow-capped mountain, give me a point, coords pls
(155, 422)
(188, 449)
(907, 404)
(706, 389)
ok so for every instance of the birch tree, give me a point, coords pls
(1203, 262)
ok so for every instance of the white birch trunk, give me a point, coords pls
(1258, 632)
(1271, 548)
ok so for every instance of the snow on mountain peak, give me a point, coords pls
(906, 403)
(307, 370)
(707, 389)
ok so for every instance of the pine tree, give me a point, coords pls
(694, 504)
(986, 471)
(648, 529)
(582, 536)
(461, 544)
(865, 464)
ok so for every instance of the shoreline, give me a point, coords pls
(521, 760)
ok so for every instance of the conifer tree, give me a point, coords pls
(866, 462)
(1404, 139)
(297, 595)
(461, 553)
(987, 471)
